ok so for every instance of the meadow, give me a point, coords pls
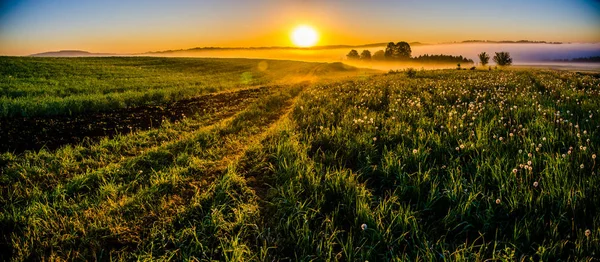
(349, 166)
(31, 86)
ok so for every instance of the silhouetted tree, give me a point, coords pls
(503, 59)
(404, 50)
(365, 55)
(389, 51)
(484, 58)
(426, 58)
(379, 55)
(353, 55)
(398, 51)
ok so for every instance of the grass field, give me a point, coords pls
(64, 86)
(444, 165)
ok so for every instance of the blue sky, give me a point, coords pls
(136, 26)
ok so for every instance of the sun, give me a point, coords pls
(304, 36)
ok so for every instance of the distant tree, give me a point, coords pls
(365, 55)
(404, 50)
(585, 59)
(353, 55)
(398, 51)
(379, 55)
(446, 59)
(389, 51)
(484, 58)
(503, 59)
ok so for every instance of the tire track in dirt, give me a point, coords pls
(19, 134)
(235, 144)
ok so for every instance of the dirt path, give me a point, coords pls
(22, 133)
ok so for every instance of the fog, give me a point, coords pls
(529, 54)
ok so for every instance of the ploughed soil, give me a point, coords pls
(18, 134)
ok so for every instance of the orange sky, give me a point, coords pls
(138, 26)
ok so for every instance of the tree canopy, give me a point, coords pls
(398, 51)
(353, 55)
(484, 58)
(379, 55)
(365, 55)
(503, 59)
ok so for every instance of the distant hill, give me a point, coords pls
(70, 53)
(511, 42)
(324, 47)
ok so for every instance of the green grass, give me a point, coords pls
(58, 86)
(446, 165)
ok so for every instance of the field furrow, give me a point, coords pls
(118, 205)
(18, 134)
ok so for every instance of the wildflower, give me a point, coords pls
(529, 155)
(535, 184)
(515, 170)
(501, 138)
(498, 201)
(363, 227)
(581, 166)
(529, 162)
(415, 151)
(588, 232)
(594, 156)
(457, 148)
(374, 139)
(462, 146)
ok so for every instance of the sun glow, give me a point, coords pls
(304, 36)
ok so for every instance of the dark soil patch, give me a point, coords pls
(18, 134)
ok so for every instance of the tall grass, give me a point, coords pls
(445, 165)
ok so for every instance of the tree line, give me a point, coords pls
(401, 51)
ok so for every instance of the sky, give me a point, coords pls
(135, 26)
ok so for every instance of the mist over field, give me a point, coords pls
(527, 54)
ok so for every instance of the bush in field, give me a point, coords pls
(411, 72)
(503, 59)
(484, 58)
